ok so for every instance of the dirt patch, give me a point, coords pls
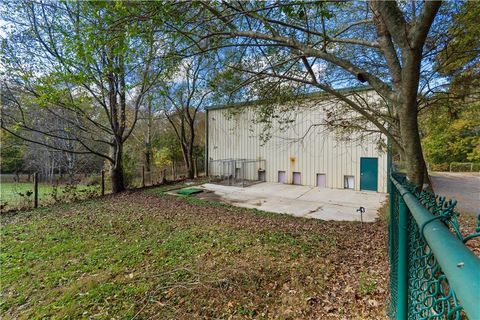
(208, 195)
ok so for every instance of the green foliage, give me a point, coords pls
(162, 157)
(80, 59)
(461, 52)
(167, 148)
(452, 138)
(131, 167)
(452, 124)
(11, 156)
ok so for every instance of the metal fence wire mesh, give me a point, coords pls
(236, 172)
(429, 295)
(393, 251)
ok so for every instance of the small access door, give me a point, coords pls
(297, 178)
(369, 174)
(321, 180)
(282, 178)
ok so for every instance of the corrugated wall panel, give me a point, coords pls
(236, 135)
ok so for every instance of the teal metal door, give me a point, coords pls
(369, 174)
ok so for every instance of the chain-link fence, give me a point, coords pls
(393, 249)
(236, 172)
(433, 274)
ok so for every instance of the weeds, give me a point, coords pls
(367, 284)
(27, 199)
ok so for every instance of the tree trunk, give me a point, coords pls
(190, 170)
(148, 158)
(116, 169)
(188, 160)
(408, 117)
(148, 142)
(116, 177)
(414, 161)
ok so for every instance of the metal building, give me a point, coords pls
(296, 147)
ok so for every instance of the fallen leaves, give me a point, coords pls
(201, 261)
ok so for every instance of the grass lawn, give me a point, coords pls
(9, 192)
(144, 254)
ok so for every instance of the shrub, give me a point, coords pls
(27, 199)
(439, 167)
(464, 167)
(93, 180)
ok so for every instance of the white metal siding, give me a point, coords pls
(233, 133)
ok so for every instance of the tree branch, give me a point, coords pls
(394, 20)
(419, 31)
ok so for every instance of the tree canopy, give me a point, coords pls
(99, 68)
(77, 63)
(290, 47)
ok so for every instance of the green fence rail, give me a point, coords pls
(433, 274)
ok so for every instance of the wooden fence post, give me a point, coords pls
(35, 190)
(173, 170)
(143, 176)
(103, 182)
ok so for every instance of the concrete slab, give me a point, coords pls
(301, 201)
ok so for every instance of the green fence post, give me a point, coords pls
(391, 252)
(389, 166)
(402, 272)
(391, 223)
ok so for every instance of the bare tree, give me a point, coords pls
(185, 96)
(148, 128)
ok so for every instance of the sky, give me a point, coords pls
(3, 26)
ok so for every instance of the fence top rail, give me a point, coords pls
(251, 161)
(460, 265)
(237, 160)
